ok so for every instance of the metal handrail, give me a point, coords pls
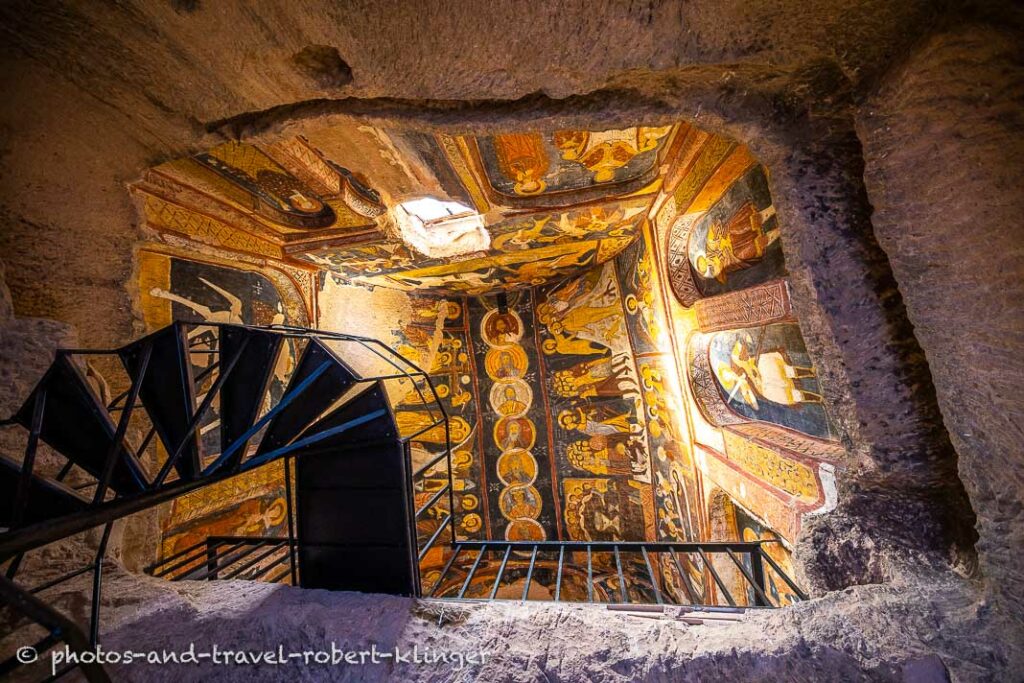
(754, 577)
(102, 510)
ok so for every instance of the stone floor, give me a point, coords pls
(930, 630)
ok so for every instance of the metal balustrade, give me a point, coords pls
(333, 420)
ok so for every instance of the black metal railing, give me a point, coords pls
(105, 505)
(696, 574)
(657, 573)
(250, 558)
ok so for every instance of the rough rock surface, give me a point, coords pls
(27, 347)
(926, 631)
(955, 238)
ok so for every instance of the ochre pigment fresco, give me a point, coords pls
(624, 342)
(524, 252)
(279, 195)
(759, 431)
(515, 421)
(761, 374)
(437, 340)
(731, 246)
(566, 162)
(594, 398)
(176, 288)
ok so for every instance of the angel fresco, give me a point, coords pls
(205, 293)
(539, 271)
(584, 316)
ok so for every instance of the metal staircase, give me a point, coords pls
(206, 402)
(367, 508)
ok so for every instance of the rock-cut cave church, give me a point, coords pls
(567, 341)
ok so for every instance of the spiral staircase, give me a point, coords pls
(368, 508)
(206, 402)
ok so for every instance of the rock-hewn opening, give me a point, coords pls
(885, 277)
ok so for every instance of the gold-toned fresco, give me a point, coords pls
(260, 201)
(173, 287)
(437, 339)
(568, 163)
(514, 434)
(761, 374)
(731, 246)
(599, 367)
(525, 252)
(792, 476)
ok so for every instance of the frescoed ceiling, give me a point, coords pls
(567, 165)
(525, 252)
(552, 203)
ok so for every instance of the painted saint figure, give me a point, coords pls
(604, 377)
(736, 245)
(597, 421)
(769, 374)
(511, 405)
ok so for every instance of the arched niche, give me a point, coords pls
(728, 242)
(758, 374)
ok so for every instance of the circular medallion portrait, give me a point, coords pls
(520, 501)
(511, 398)
(507, 362)
(514, 432)
(517, 468)
(501, 329)
(524, 530)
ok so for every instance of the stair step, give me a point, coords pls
(365, 404)
(243, 394)
(77, 425)
(356, 466)
(318, 396)
(47, 498)
(167, 392)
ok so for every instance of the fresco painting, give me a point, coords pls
(736, 243)
(525, 252)
(175, 288)
(597, 416)
(530, 163)
(604, 509)
(764, 373)
(450, 366)
(515, 421)
(278, 194)
(553, 351)
(731, 246)
(249, 505)
(678, 507)
(750, 529)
